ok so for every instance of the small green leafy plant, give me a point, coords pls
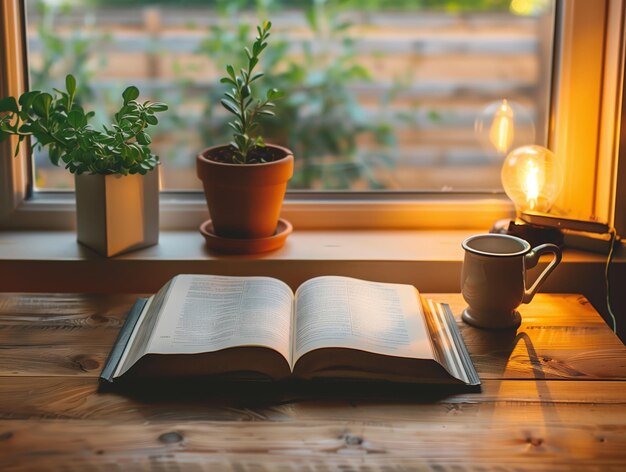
(322, 119)
(61, 125)
(240, 101)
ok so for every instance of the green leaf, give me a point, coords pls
(70, 85)
(135, 151)
(152, 120)
(25, 128)
(252, 63)
(76, 119)
(241, 138)
(234, 126)
(256, 76)
(131, 93)
(158, 106)
(231, 71)
(26, 99)
(125, 151)
(8, 104)
(273, 94)
(125, 125)
(42, 138)
(41, 104)
(227, 80)
(144, 138)
(66, 134)
(124, 110)
(230, 106)
(54, 155)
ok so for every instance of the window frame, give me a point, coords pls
(14, 172)
(20, 208)
(585, 119)
(614, 144)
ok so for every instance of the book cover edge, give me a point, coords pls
(468, 365)
(122, 340)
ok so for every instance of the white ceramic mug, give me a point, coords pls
(493, 280)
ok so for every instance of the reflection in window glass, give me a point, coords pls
(382, 95)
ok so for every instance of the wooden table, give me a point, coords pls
(553, 398)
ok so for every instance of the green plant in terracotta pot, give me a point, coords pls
(117, 193)
(245, 180)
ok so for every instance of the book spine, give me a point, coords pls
(122, 340)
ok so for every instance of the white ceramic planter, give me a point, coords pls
(116, 214)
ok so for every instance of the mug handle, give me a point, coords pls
(530, 261)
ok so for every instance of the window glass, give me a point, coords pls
(380, 94)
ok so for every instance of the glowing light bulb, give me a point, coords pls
(502, 131)
(502, 126)
(532, 185)
(531, 178)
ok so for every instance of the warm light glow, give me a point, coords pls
(502, 130)
(522, 7)
(531, 178)
(528, 7)
(531, 185)
(503, 125)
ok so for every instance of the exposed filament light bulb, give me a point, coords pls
(532, 185)
(502, 130)
(503, 125)
(531, 178)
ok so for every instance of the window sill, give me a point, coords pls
(52, 261)
(55, 211)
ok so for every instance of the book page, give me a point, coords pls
(356, 314)
(139, 339)
(205, 313)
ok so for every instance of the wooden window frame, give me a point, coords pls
(20, 208)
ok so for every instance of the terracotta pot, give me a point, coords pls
(116, 213)
(244, 200)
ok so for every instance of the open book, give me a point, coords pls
(251, 327)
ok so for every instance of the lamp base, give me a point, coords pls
(534, 234)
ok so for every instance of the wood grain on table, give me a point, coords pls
(553, 398)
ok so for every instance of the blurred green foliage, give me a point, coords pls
(320, 118)
(63, 54)
(367, 5)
